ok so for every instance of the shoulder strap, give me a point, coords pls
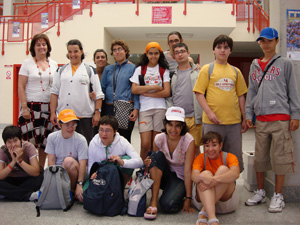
(89, 71)
(143, 70)
(59, 188)
(225, 158)
(43, 193)
(266, 70)
(61, 69)
(161, 72)
(211, 68)
(204, 161)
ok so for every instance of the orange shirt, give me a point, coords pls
(198, 163)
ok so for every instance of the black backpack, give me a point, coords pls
(105, 194)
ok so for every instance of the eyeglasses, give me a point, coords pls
(180, 52)
(118, 49)
(70, 125)
(105, 130)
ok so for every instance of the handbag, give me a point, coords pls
(122, 108)
(137, 193)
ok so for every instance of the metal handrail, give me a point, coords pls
(58, 18)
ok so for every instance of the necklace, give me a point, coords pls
(40, 74)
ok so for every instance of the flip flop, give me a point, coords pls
(152, 215)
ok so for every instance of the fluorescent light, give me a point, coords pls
(165, 35)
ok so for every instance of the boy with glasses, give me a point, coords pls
(69, 149)
(182, 83)
(220, 90)
(110, 145)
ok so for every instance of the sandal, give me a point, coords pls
(214, 220)
(152, 215)
(202, 220)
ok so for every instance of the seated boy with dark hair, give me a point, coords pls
(20, 173)
(214, 174)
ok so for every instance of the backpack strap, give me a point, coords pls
(224, 158)
(211, 68)
(59, 187)
(88, 70)
(161, 72)
(43, 194)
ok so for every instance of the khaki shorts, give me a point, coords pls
(276, 139)
(194, 129)
(221, 207)
(151, 119)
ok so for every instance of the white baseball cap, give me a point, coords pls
(175, 114)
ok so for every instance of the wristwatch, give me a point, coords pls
(98, 110)
(80, 183)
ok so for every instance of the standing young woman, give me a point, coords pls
(119, 74)
(35, 81)
(170, 166)
(100, 59)
(71, 89)
(152, 82)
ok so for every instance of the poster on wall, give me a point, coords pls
(293, 34)
(44, 20)
(76, 4)
(161, 15)
(16, 29)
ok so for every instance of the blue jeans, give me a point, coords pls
(171, 200)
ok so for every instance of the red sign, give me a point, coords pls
(8, 75)
(161, 15)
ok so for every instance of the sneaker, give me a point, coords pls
(277, 203)
(258, 198)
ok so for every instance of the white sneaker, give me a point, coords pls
(258, 198)
(277, 203)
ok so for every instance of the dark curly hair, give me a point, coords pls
(162, 61)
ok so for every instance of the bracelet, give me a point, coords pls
(25, 110)
(10, 167)
(188, 197)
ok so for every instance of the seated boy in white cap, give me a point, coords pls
(68, 148)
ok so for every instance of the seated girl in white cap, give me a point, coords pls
(170, 166)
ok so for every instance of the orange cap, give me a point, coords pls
(67, 115)
(153, 45)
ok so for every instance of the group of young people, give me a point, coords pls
(64, 114)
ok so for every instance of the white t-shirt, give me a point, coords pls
(152, 77)
(34, 89)
(75, 147)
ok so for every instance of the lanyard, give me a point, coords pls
(106, 151)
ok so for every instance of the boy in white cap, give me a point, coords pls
(273, 98)
(68, 148)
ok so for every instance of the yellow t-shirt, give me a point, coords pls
(222, 92)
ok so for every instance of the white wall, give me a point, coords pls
(94, 33)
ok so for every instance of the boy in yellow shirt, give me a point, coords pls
(220, 90)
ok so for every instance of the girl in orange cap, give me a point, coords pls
(152, 82)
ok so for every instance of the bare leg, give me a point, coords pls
(42, 157)
(279, 180)
(260, 177)
(146, 140)
(156, 175)
(72, 167)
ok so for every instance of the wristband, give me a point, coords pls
(10, 167)
(188, 197)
